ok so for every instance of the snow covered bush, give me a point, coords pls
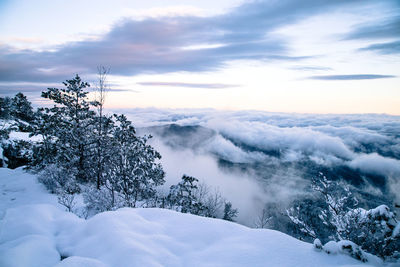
(67, 200)
(317, 244)
(339, 219)
(345, 247)
(374, 230)
(17, 152)
(59, 179)
(103, 199)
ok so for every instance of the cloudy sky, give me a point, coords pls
(288, 56)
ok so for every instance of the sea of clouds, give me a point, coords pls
(275, 145)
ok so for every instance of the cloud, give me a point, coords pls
(190, 85)
(12, 89)
(332, 139)
(354, 137)
(257, 157)
(243, 191)
(384, 48)
(159, 45)
(351, 77)
(377, 165)
(387, 28)
(278, 140)
(310, 68)
(381, 30)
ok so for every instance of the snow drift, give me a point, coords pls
(42, 235)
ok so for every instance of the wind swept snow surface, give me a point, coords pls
(44, 235)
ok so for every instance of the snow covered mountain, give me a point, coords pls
(36, 231)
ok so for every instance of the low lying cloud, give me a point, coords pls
(271, 157)
(377, 165)
(243, 191)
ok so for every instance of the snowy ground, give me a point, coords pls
(36, 231)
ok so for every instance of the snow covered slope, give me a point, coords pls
(42, 234)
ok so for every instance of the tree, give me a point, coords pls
(339, 201)
(73, 124)
(102, 123)
(263, 219)
(211, 198)
(229, 212)
(339, 219)
(5, 107)
(132, 170)
(22, 108)
(324, 217)
(182, 196)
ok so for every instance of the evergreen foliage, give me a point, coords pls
(182, 196)
(81, 150)
(72, 122)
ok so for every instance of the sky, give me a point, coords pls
(282, 56)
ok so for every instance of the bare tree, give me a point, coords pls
(263, 219)
(211, 198)
(101, 92)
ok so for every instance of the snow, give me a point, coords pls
(381, 210)
(16, 135)
(396, 230)
(36, 231)
(20, 188)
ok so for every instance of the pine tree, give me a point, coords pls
(73, 124)
(22, 108)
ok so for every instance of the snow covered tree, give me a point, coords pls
(21, 107)
(73, 124)
(326, 220)
(132, 170)
(305, 216)
(190, 196)
(339, 201)
(375, 231)
(182, 196)
(339, 219)
(5, 107)
(16, 113)
(45, 151)
(229, 212)
(93, 149)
